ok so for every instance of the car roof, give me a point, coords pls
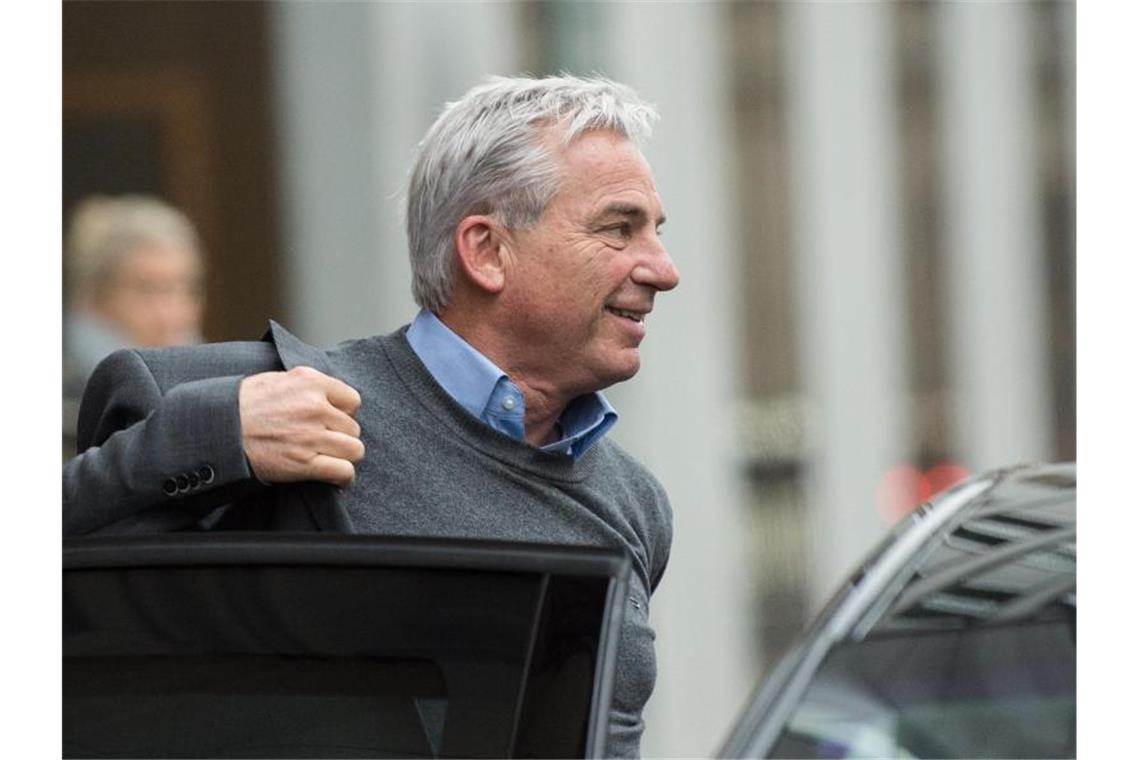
(1008, 554)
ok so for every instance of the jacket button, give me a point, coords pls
(183, 484)
(206, 474)
(170, 487)
(193, 478)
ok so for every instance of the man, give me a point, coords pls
(135, 271)
(533, 226)
(135, 267)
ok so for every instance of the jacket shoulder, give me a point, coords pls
(129, 383)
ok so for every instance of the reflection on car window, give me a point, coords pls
(987, 691)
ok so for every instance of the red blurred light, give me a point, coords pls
(945, 475)
(904, 487)
(901, 489)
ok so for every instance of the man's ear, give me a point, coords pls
(482, 253)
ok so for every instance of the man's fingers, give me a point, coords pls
(298, 425)
(339, 472)
(341, 446)
(340, 422)
(341, 395)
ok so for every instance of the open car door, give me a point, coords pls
(278, 645)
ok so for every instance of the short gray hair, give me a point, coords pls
(105, 229)
(485, 155)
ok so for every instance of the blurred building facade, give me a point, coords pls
(871, 205)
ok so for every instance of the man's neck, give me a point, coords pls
(542, 414)
(544, 404)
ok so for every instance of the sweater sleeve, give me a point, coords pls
(171, 455)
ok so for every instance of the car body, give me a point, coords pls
(957, 638)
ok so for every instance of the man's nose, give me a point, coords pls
(656, 269)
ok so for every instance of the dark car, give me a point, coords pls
(956, 639)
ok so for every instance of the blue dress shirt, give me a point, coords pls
(485, 391)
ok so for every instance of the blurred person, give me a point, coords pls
(135, 270)
(533, 223)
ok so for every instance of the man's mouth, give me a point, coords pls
(635, 316)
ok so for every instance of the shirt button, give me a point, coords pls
(509, 403)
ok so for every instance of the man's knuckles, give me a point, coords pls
(305, 374)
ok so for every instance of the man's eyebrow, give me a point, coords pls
(627, 209)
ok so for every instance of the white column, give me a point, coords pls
(676, 414)
(359, 83)
(995, 259)
(846, 232)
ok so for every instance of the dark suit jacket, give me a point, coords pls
(160, 442)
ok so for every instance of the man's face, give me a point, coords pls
(155, 296)
(584, 278)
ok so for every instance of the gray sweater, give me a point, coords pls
(433, 469)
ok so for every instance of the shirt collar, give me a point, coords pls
(585, 420)
(466, 375)
(475, 382)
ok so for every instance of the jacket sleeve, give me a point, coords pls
(152, 460)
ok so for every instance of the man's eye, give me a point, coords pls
(625, 229)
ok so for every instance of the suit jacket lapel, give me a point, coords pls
(294, 352)
(321, 500)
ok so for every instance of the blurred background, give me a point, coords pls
(871, 205)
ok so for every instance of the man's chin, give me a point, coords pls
(622, 368)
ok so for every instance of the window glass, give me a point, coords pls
(312, 661)
(997, 691)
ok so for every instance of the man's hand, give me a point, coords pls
(299, 425)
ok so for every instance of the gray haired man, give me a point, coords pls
(533, 227)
